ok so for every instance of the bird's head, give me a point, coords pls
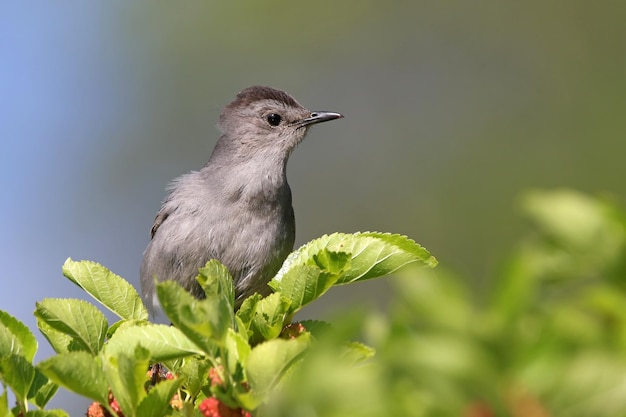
(267, 122)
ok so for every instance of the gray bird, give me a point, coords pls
(237, 208)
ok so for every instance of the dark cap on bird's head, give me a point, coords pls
(258, 93)
(275, 108)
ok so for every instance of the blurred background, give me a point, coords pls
(453, 109)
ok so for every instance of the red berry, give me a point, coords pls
(116, 407)
(208, 407)
(95, 410)
(214, 376)
(212, 407)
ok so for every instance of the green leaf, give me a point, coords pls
(304, 283)
(379, 254)
(194, 374)
(269, 361)
(332, 262)
(269, 317)
(111, 290)
(123, 323)
(342, 258)
(217, 281)
(4, 405)
(166, 342)
(242, 329)
(373, 255)
(18, 373)
(158, 399)
(174, 365)
(317, 328)
(41, 389)
(237, 351)
(78, 372)
(9, 342)
(358, 352)
(575, 220)
(245, 314)
(205, 321)
(59, 341)
(77, 318)
(14, 330)
(126, 374)
(47, 413)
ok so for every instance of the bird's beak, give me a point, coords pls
(319, 117)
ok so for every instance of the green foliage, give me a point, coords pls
(549, 339)
(80, 372)
(268, 362)
(238, 358)
(15, 338)
(110, 290)
(157, 401)
(17, 350)
(166, 342)
(82, 322)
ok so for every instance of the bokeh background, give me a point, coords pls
(452, 110)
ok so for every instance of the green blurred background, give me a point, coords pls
(453, 109)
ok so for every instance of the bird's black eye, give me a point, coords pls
(274, 119)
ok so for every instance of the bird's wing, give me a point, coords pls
(158, 220)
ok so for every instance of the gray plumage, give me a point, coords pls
(237, 208)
